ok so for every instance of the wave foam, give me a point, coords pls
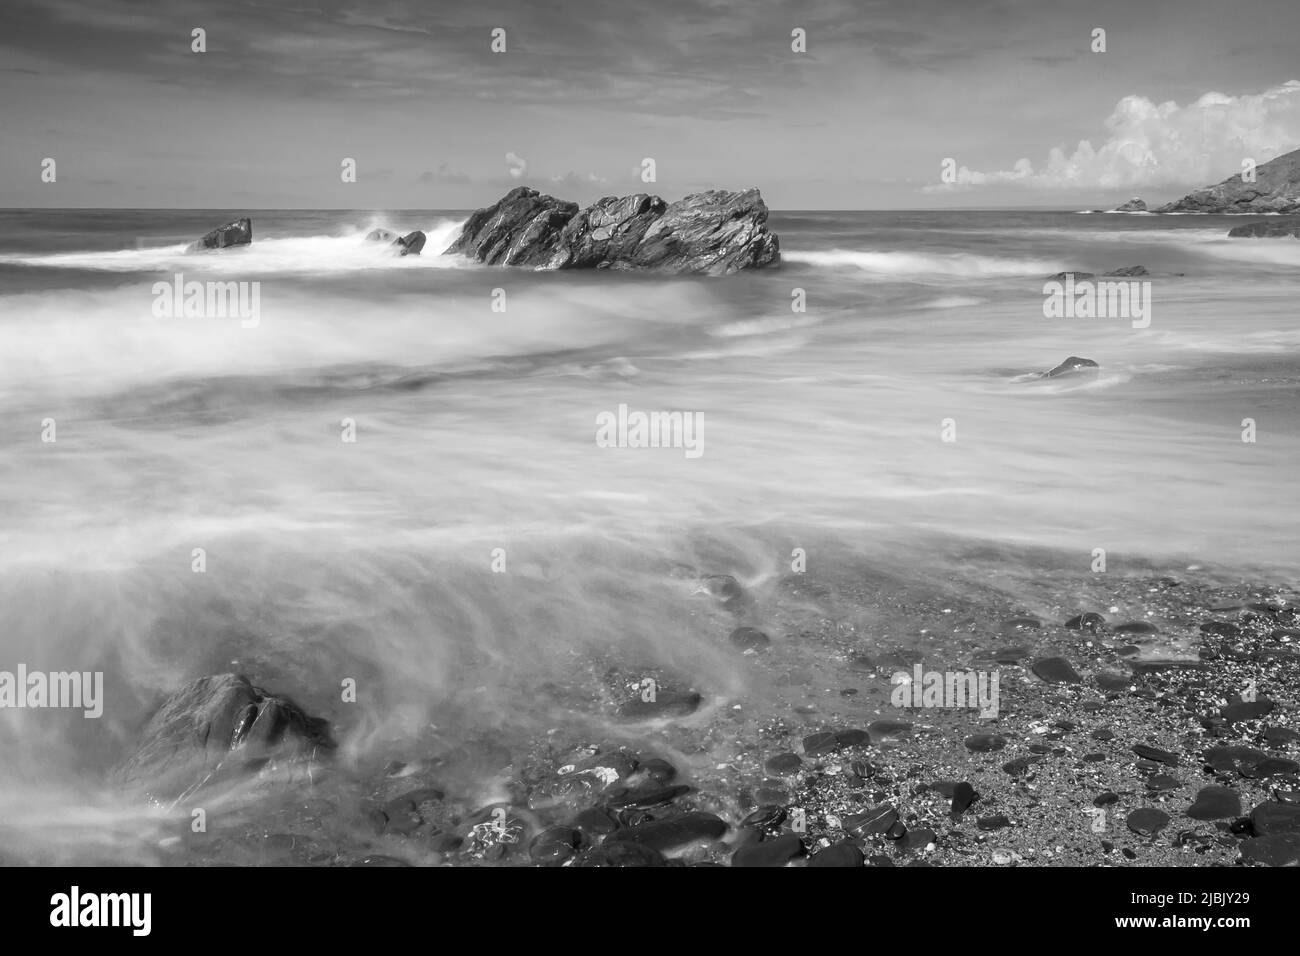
(923, 265)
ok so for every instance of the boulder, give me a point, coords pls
(714, 233)
(411, 243)
(237, 233)
(1133, 205)
(1276, 189)
(218, 727)
(522, 229)
(1072, 366)
(1268, 229)
(407, 245)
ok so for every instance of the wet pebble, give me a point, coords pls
(838, 854)
(672, 832)
(985, 743)
(783, 765)
(749, 639)
(1215, 803)
(1147, 821)
(1149, 752)
(1055, 670)
(775, 852)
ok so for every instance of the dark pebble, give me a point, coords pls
(749, 638)
(1148, 821)
(595, 821)
(1272, 818)
(775, 852)
(918, 839)
(1055, 670)
(1278, 850)
(1020, 766)
(875, 820)
(985, 743)
(840, 854)
(765, 817)
(1215, 803)
(1162, 783)
(1148, 752)
(1136, 627)
(783, 765)
(659, 770)
(1247, 710)
(996, 822)
(672, 832)
(853, 738)
(822, 742)
(554, 845)
(1103, 734)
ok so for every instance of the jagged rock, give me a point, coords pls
(408, 245)
(1133, 205)
(715, 233)
(1276, 189)
(237, 233)
(606, 232)
(1268, 229)
(1073, 365)
(411, 243)
(218, 727)
(521, 229)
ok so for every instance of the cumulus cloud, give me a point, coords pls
(1162, 145)
(516, 164)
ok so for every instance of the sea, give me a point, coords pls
(387, 473)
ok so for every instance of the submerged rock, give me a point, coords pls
(408, 245)
(715, 233)
(1276, 229)
(216, 727)
(1073, 365)
(237, 233)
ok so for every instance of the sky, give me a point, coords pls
(1010, 91)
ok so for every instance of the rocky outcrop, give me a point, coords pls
(713, 233)
(522, 229)
(1276, 189)
(217, 728)
(408, 245)
(1133, 205)
(1276, 228)
(1073, 366)
(237, 233)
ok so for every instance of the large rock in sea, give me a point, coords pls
(1133, 205)
(407, 245)
(1276, 189)
(713, 233)
(1268, 229)
(219, 728)
(237, 233)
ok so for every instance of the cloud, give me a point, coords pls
(443, 174)
(578, 180)
(517, 165)
(1162, 145)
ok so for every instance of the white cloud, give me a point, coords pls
(1162, 145)
(517, 165)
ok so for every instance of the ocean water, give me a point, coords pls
(377, 560)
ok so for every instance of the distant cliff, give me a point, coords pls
(1276, 189)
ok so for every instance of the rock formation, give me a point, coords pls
(408, 245)
(220, 726)
(1133, 205)
(1073, 365)
(714, 233)
(1276, 228)
(1276, 189)
(237, 233)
